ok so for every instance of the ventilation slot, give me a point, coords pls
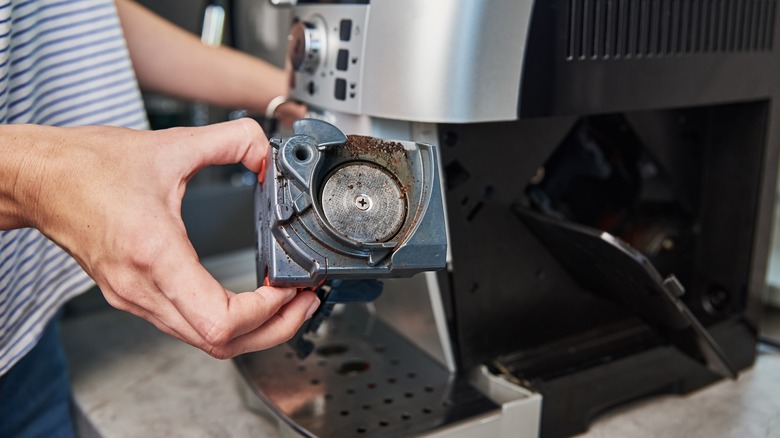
(618, 29)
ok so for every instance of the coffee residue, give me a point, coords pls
(361, 144)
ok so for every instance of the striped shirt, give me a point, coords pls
(62, 63)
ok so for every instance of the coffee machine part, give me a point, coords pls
(331, 206)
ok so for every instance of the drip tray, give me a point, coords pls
(362, 379)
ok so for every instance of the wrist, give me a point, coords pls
(273, 105)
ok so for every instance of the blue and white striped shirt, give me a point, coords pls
(62, 63)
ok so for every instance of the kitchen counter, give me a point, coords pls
(130, 380)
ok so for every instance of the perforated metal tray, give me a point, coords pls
(362, 380)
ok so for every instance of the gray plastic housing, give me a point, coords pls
(298, 247)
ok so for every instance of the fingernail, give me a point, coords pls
(261, 173)
(313, 307)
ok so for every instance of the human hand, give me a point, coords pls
(290, 111)
(111, 197)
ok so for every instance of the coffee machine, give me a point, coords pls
(609, 169)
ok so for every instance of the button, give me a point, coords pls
(342, 59)
(341, 89)
(345, 30)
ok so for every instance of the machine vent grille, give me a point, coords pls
(620, 29)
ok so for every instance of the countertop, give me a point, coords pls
(130, 380)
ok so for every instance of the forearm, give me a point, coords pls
(170, 60)
(23, 150)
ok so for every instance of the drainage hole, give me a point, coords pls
(388, 401)
(353, 367)
(406, 416)
(350, 391)
(315, 381)
(328, 396)
(384, 423)
(344, 413)
(428, 388)
(371, 386)
(427, 410)
(409, 394)
(380, 348)
(411, 374)
(391, 380)
(366, 407)
(332, 350)
(361, 430)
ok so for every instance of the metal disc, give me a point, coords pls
(363, 202)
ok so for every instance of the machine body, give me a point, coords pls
(642, 134)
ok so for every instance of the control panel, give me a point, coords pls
(434, 61)
(326, 51)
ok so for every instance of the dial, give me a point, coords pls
(306, 45)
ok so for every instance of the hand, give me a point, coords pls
(111, 197)
(290, 111)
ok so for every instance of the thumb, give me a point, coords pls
(241, 140)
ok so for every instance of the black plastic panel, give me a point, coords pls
(615, 55)
(618, 29)
(694, 211)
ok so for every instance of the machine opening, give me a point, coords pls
(604, 176)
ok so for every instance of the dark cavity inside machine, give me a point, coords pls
(653, 121)
(670, 183)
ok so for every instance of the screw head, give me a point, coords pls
(363, 202)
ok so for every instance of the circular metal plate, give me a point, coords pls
(363, 202)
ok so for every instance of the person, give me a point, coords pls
(87, 193)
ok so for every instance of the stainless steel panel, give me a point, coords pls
(364, 379)
(426, 61)
(444, 60)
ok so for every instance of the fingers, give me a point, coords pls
(266, 317)
(290, 111)
(189, 336)
(231, 142)
(276, 321)
(219, 317)
(250, 309)
(280, 328)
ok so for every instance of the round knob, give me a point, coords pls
(306, 46)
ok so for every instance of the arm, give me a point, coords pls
(170, 60)
(111, 197)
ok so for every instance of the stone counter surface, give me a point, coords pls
(130, 380)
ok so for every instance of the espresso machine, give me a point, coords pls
(608, 169)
